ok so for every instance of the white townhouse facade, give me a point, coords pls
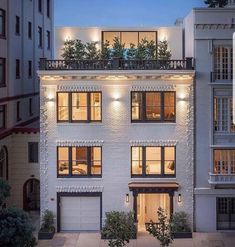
(117, 134)
(208, 38)
(26, 32)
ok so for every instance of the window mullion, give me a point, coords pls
(162, 161)
(162, 106)
(144, 118)
(70, 106)
(70, 161)
(89, 107)
(89, 150)
(144, 161)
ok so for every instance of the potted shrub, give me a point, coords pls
(180, 225)
(119, 228)
(47, 229)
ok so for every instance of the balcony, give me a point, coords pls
(116, 64)
(221, 179)
(219, 77)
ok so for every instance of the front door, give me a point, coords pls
(147, 206)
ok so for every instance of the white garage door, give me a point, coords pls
(79, 213)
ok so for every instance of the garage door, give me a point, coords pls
(79, 213)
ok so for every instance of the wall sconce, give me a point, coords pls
(127, 198)
(182, 96)
(179, 198)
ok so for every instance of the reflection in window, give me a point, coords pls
(79, 106)
(153, 160)
(63, 106)
(137, 160)
(63, 161)
(169, 160)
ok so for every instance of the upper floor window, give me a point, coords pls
(223, 114)
(17, 68)
(39, 37)
(17, 25)
(2, 23)
(18, 118)
(30, 30)
(153, 106)
(2, 116)
(33, 152)
(2, 72)
(29, 68)
(48, 8)
(48, 40)
(224, 161)
(128, 37)
(30, 106)
(223, 63)
(79, 161)
(153, 161)
(40, 6)
(79, 107)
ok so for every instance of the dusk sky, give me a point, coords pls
(122, 12)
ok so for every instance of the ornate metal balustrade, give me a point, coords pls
(116, 64)
(221, 178)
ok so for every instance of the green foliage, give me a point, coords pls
(16, 229)
(141, 50)
(118, 49)
(79, 50)
(4, 190)
(68, 50)
(180, 222)
(131, 52)
(216, 3)
(91, 51)
(161, 230)
(105, 52)
(162, 52)
(47, 221)
(119, 228)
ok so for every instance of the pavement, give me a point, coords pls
(86, 239)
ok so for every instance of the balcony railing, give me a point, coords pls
(218, 76)
(221, 178)
(116, 64)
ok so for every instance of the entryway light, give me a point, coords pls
(127, 198)
(179, 198)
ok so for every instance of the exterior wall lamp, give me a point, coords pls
(179, 198)
(127, 198)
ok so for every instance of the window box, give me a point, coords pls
(46, 235)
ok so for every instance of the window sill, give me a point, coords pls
(152, 178)
(80, 178)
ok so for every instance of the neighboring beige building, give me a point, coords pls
(26, 34)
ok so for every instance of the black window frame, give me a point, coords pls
(17, 25)
(48, 40)
(162, 175)
(89, 163)
(40, 37)
(3, 64)
(30, 106)
(48, 8)
(144, 118)
(29, 30)
(3, 112)
(3, 18)
(230, 210)
(40, 6)
(31, 149)
(17, 69)
(30, 70)
(89, 120)
(18, 118)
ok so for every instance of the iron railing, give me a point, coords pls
(116, 64)
(219, 76)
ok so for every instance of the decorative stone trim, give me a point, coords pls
(80, 143)
(214, 26)
(161, 143)
(77, 88)
(154, 88)
(79, 188)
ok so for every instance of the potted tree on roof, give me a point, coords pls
(47, 229)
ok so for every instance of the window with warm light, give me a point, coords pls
(153, 161)
(224, 161)
(153, 106)
(79, 107)
(79, 161)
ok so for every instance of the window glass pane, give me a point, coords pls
(96, 106)
(2, 22)
(136, 106)
(136, 160)
(129, 37)
(153, 106)
(148, 36)
(33, 152)
(63, 161)
(63, 106)
(79, 160)
(169, 163)
(153, 160)
(232, 161)
(221, 161)
(79, 106)
(2, 71)
(169, 106)
(96, 160)
(109, 36)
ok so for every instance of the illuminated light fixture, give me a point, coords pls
(179, 198)
(114, 77)
(50, 98)
(182, 96)
(127, 198)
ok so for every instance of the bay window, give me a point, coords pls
(224, 161)
(153, 106)
(153, 161)
(79, 161)
(79, 107)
